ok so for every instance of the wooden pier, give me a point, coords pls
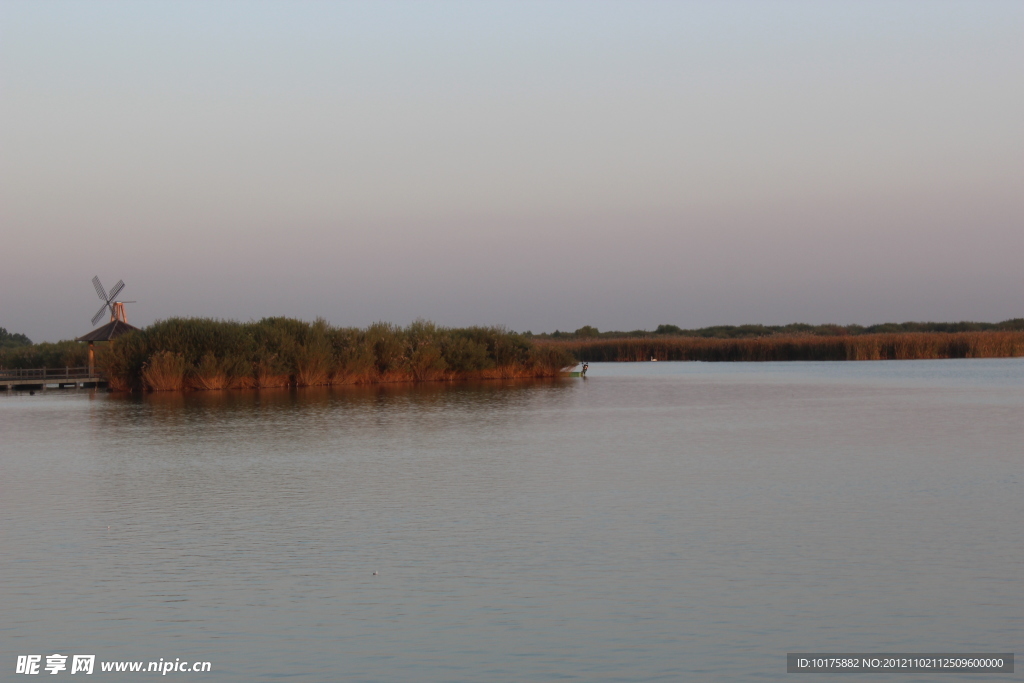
(41, 378)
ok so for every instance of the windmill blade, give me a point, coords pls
(99, 288)
(116, 290)
(99, 313)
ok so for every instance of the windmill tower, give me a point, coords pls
(117, 326)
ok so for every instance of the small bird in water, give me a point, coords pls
(375, 573)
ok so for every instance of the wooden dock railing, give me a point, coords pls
(49, 374)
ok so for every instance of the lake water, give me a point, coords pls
(654, 521)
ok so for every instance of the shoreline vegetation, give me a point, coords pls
(791, 330)
(788, 347)
(797, 341)
(205, 354)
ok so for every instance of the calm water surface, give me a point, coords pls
(656, 521)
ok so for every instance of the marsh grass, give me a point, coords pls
(203, 354)
(899, 346)
(265, 377)
(164, 371)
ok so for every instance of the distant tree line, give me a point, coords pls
(11, 341)
(793, 329)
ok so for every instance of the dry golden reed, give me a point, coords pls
(900, 346)
(165, 371)
(202, 354)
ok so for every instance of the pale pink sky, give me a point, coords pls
(538, 165)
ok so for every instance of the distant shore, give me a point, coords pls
(783, 347)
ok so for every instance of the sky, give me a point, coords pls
(538, 165)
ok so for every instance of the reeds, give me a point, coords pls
(164, 371)
(905, 346)
(204, 354)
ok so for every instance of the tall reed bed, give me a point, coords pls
(914, 345)
(194, 353)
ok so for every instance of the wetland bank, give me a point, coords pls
(207, 354)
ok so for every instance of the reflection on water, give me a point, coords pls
(654, 521)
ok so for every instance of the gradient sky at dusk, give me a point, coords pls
(539, 165)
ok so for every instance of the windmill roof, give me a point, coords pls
(111, 330)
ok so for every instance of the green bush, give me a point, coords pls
(10, 341)
(45, 355)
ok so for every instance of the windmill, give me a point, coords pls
(116, 307)
(118, 324)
